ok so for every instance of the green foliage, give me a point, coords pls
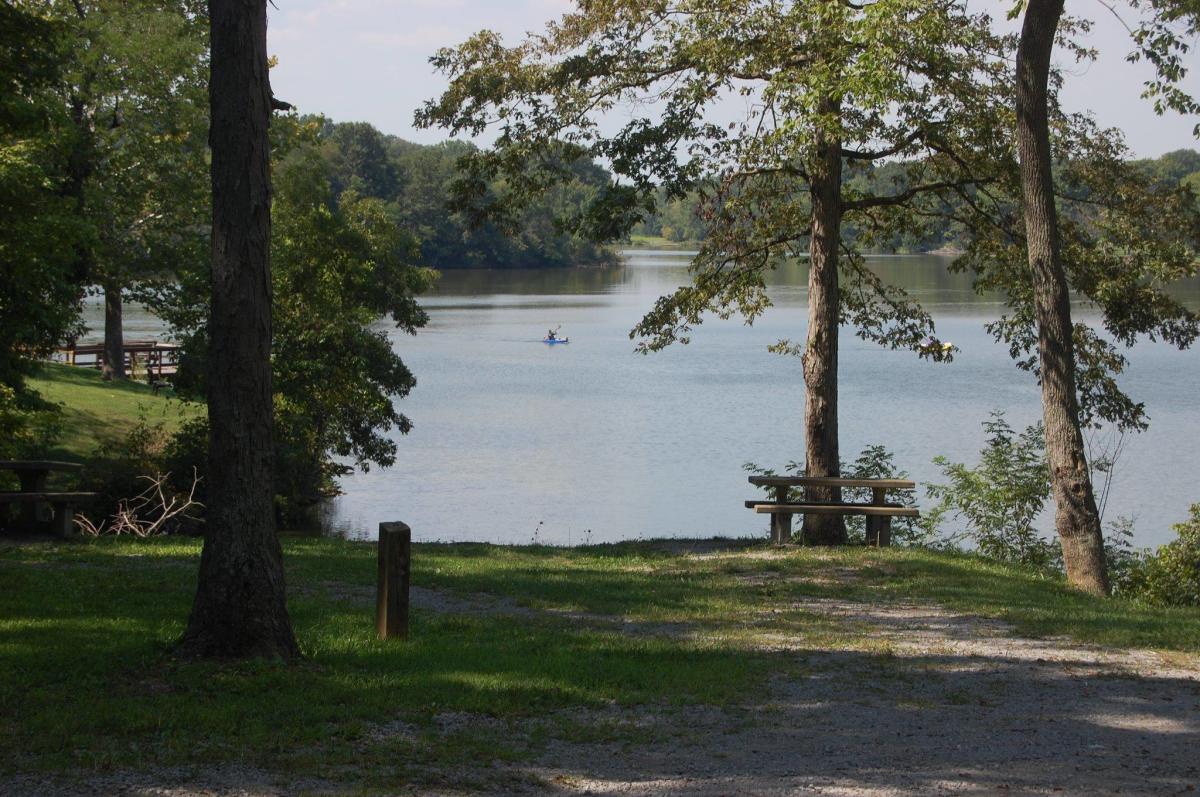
(39, 237)
(135, 93)
(1164, 32)
(1126, 238)
(677, 220)
(184, 454)
(339, 265)
(415, 183)
(877, 462)
(999, 499)
(919, 83)
(117, 468)
(943, 228)
(1171, 575)
(1121, 559)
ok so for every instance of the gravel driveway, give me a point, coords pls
(938, 702)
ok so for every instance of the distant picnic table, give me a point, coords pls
(161, 360)
(879, 512)
(34, 499)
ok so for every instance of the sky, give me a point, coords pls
(368, 60)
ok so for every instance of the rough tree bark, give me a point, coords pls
(821, 350)
(239, 608)
(114, 336)
(1076, 517)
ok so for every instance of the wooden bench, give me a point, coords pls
(34, 499)
(879, 512)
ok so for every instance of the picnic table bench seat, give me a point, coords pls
(34, 498)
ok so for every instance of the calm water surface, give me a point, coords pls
(515, 440)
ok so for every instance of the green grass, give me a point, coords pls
(96, 413)
(88, 681)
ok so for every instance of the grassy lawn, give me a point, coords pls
(95, 412)
(88, 682)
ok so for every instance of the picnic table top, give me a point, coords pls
(837, 509)
(44, 496)
(97, 347)
(36, 464)
(829, 481)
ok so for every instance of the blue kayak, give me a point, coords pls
(556, 340)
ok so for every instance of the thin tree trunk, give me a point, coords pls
(240, 607)
(114, 336)
(1076, 517)
(821, 350)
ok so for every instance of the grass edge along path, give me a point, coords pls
(88, 682)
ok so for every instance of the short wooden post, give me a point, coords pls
(391, 600)
(781, 524)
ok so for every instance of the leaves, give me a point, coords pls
(913, 80)
(999, 499)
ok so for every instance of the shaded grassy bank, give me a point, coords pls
(96, 413)
(537, 635)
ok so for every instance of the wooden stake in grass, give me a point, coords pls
(391, 600)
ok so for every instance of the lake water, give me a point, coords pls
(515, 440)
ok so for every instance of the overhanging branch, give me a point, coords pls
(905, 196)
(874, 155)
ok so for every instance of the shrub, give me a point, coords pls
(143, 488)
(1171, 575)
(186, 453)
(116, 469)
(999, 499)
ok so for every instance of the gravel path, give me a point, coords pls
(959, 706)
(939, 703)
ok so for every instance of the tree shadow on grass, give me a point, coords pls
(87, 679)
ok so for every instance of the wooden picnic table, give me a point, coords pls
(160, 359)
(879, 512)
(33, 495)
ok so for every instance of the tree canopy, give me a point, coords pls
(414, 182)
(822, 89)
(40, 285)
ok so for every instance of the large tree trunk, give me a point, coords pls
(240, 607)
(821, 349)
(1076, 517)
(114, 336)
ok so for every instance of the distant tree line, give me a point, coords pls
(679, 220)
(414, 182)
